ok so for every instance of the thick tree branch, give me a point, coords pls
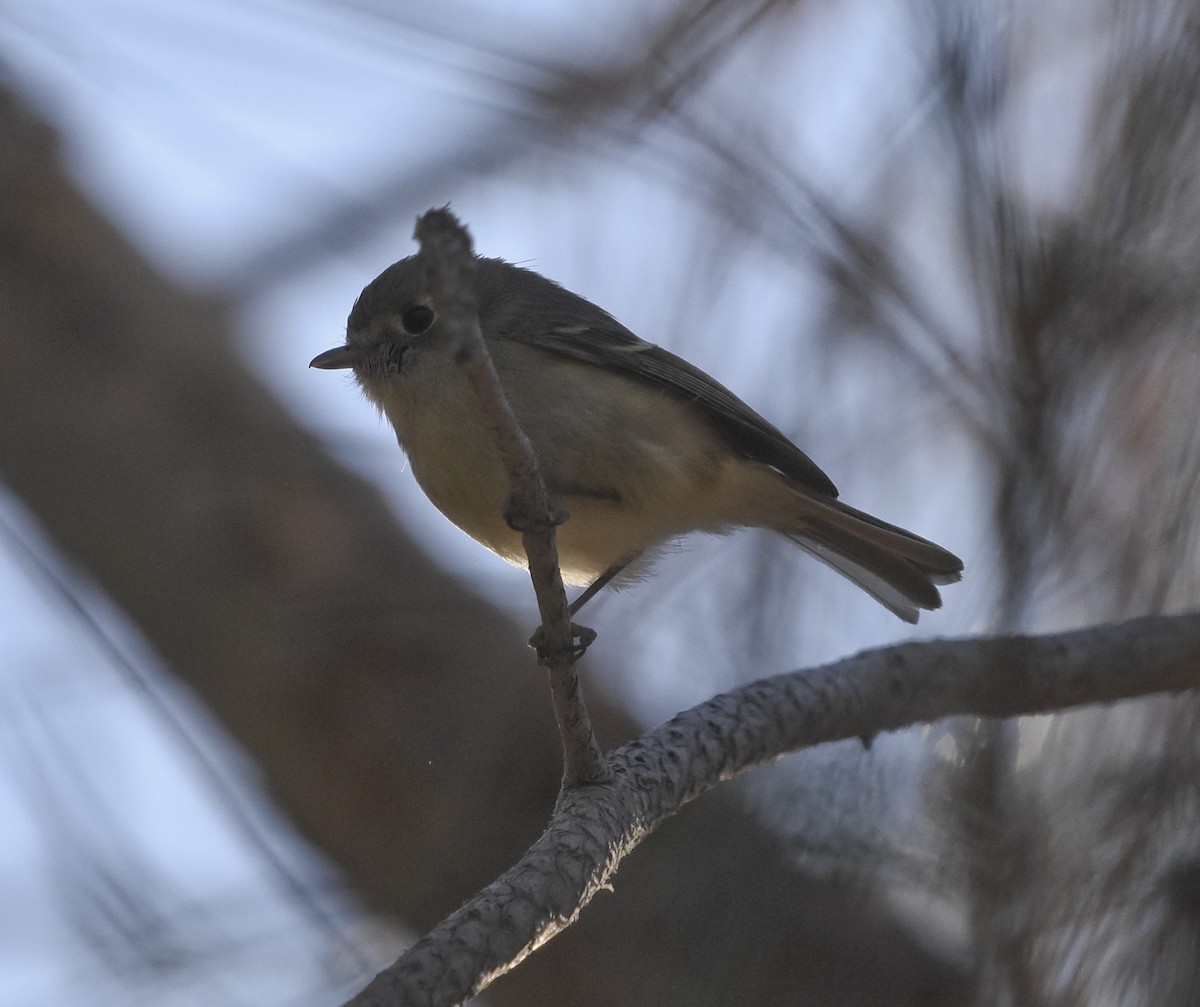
(594, 827)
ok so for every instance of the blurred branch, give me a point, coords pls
(269, 578)
(882, 690)
(278, 586)
(546, 104)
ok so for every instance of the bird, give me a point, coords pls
(638, 446)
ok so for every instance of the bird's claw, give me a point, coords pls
(581, 638)
(518, 520)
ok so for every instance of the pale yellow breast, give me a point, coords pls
(632, 466)
(452, 455)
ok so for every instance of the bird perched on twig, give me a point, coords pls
(637, 445)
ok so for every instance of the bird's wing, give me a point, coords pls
(612, 346)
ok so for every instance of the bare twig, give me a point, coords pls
(878, 690)
(448, 264)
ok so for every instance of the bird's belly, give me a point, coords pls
(465, 480)
(609, 455)
(470, 487)
(597, 534)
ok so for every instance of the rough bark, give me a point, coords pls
(595, 826)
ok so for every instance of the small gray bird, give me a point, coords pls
(637, 445)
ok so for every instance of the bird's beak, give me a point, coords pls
(338, 358)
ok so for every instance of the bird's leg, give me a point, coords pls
(595, 586)
(583, 636)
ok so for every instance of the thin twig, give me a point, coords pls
(448, 266)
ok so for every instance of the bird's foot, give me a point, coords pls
(518, 520)
(581, 638)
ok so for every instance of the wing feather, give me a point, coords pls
(568, 324)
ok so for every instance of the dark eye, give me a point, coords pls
(417, 319)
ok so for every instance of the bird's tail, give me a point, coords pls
(900, 570)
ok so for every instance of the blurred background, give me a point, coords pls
(265, 715)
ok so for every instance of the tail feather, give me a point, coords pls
(897, 568)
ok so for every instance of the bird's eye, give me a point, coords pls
(417, 319)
